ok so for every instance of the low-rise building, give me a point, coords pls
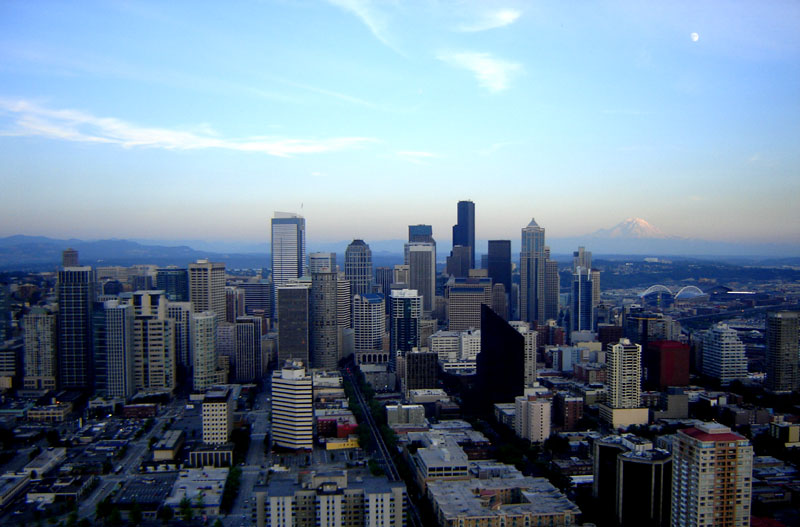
(202, 487)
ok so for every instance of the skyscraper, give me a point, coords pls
(69, 258)
(623, 405)
(207, 287)
(358, 267)
(500, 366)
(422, 272)
(288, 248)
(406, 312)
(582, 312)
(724, 354)
(293, 311)
(552, 286)
(292, 408)
(154, 343)
(458, 261)
(464, 230)
(181, 314)
(39, 332)
(120, 350)
(324, 320)
(76, 290)
(319, 262)
(532, 274)
(174, 282)
(465, 298)
(581, 258)
(248, 366)
(500, 263)
(712, 472)
(205, 371)
(420, 233)
(369, 321)
(783, 339)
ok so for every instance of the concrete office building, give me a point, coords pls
(724, 355)
(422, 273)
(205, 363)
(324, 320)
(39, 362)
(292, 408)
(218, 407)
(369, 321)
(207, 287)
(320, 262)
(532, 417)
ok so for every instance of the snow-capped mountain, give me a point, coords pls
(631, 228)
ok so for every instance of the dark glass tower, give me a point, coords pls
(358, 267)
(500, 367)
(174, 282)
(500, 262)
(75, 289)
(464, 230)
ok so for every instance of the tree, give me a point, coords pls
(165, 514)
(84, 523)
(135, 514)
(115, 518)
(185, 509)
(217, 523)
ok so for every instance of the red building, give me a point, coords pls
(667, 364)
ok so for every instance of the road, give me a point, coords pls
(383, 452)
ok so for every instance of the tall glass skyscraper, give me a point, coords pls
(532, 274)
(358, 267)
(288, 248)
(464, 230)
(75, 289)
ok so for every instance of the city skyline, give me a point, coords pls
(685, 115)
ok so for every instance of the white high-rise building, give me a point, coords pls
(154, 343)
(724, 355)
(532, 417)
(712, 472)
(369, 321)
(288, 248)
(207, 287)
(205, 363)
(623, 405)
(530, 350)
(120, 350)
(39, 331)
(292, 408)
(181, 314)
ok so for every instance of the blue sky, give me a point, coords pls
(179, 120)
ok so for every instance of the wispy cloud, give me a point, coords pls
(31, 119)
(497, 146)
(491, 20)
(416, 156)
(492, 73)
(371, 16)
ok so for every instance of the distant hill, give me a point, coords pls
(38, 253)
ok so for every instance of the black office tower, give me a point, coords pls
(501, 362)
(499, 264)
(75, 290)
(464, 230)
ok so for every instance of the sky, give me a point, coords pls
(198, 120)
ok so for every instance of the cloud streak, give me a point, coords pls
(375, 20)
(491, 20)
(30, 119)
(417, 156)
(492, 73)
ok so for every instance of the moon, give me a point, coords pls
(695, 37)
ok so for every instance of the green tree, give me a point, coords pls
(217, 523)
(84, 523)
(185, 509)
(115, 518)
(165, 514)
(136, 513)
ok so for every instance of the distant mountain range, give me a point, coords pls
(633, 236)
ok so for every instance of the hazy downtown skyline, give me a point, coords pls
(187, 121)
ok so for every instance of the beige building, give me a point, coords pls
(532, 417)
(623, 405)
(39, 328)
(292, 408)
(217, 416)
(207, 287)
(712, 474)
